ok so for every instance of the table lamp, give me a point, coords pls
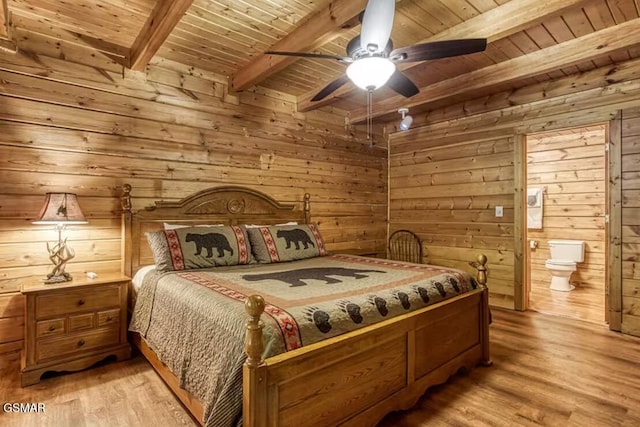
(60, 209)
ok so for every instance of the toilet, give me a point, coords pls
(565, 254)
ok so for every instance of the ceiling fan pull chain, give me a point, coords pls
(369, 114)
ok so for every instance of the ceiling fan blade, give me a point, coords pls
(377, 23)
(330, 88)
(311, 55)
(436, 50)
(401, 84)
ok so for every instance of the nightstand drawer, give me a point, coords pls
(76, 300)
(78, 343)
(48, 328)
(108, 317)
(81, 322)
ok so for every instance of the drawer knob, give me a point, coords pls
(80, 302)
(109, 318)
(80, 343)
(52, 328)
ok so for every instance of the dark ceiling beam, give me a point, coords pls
(163, 19)
(322, 27)
(579, 50)
(497, 23)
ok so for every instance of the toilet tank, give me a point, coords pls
(568, 250)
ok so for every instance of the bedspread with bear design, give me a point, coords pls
(194, 320)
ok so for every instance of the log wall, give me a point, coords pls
(82, 124)
(446, 190)
(570, 167)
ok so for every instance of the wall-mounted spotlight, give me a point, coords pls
(406, 121)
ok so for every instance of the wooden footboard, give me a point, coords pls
(357, 378)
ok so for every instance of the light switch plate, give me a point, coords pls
(499, 211)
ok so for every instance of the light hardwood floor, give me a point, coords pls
(548, 370)
(584, 303)
(121, 394)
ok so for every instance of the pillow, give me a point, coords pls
(200, 247)
(286, 243)
(168, 226)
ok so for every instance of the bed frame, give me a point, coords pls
(354, 379)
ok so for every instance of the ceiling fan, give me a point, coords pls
(372, 58)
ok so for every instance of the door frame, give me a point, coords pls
(613, 279)
(613, 227)
(521, 286)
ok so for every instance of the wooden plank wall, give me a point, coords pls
(588, 98)
(631, 221)
(446, 190)
(82, 124)
(570, 167)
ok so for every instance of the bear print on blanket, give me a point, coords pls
(209, 241)
(298, 277)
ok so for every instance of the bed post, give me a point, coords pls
(125, 245)
(481, 266)
(254, 381)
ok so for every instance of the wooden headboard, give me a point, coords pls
(228, 205)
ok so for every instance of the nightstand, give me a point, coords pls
(72, 325)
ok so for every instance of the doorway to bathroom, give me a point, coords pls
(566, 203)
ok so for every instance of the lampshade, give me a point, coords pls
(370, 73)
(61, 208)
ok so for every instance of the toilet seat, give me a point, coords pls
(560, 264)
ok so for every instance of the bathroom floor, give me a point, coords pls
(582, 303)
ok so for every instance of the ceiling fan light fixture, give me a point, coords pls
(371, 73)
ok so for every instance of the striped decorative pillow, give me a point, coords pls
(200, 247)
(286, 243)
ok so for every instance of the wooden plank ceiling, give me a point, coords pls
(530, 41)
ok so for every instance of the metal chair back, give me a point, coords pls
(404, 245)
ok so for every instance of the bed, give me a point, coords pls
(322, 375)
